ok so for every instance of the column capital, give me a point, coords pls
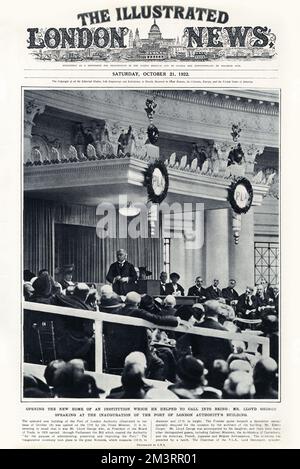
(223, 148)
(251, 152)
(31, 109)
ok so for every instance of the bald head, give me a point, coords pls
(239, 385)
(137, 358)
(106, 291)
(133, 298)
(211, 308)
(170, 300)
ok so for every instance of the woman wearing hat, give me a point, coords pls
(67, 272)
(173, 288)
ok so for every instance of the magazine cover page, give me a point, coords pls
(149, 226)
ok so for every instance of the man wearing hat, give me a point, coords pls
(173, 288)
(67, 272)
(121, 274)
(110, 302)
(191, 382)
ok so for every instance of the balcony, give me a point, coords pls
(89, 174)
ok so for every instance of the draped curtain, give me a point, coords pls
(38, 235)
(92, 256)
(70, 230)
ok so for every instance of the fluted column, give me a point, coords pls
(217, 245)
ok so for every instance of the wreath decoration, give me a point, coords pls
(231, 195)
(154, 194)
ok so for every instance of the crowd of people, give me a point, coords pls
(193, 366)
(231, 379)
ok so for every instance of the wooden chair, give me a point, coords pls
(46, 340)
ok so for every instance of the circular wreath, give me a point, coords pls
(248, 186)
(148, 181)
(153, 134)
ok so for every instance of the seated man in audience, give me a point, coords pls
(173, 288)
(169, 306)
(191, 382)
(148, 304)
(239, 385)
(133, 384)
(69, 382)
(163, 282)
(247, 304)
(265, 379)
(230, 294)
(268, 290)
(218, 374)
(213, 292)
(51, 369)
(109, 301)
(264, 303)
(121, 339)
(205, 348)
(131, 308)
(198, 290)
(137, 358)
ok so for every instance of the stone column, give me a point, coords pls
(31, 109)
(241, 255)
(217, 246)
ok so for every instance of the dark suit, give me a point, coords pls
(123, 270)
(168, 311)
(205, 348)
(266, 303)
(230, 294)
(162, 288)
(200, 292)
(213, 294)
(243, 304)
(170, 289)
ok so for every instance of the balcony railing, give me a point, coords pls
(99, 318)
(211, 162)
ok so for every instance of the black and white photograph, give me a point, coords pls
(151, 244)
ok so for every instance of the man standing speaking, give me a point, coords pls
(122, 274)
